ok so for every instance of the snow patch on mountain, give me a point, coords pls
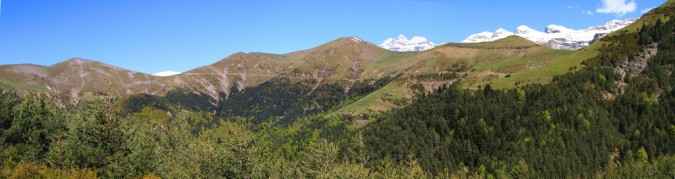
(555, 36)
(403, 44)
(166, 73)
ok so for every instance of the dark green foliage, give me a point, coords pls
(272, 98)
(88, 136)
(577, 124)
(288, 99)
(627, 45)
(37, 123)
(8, 100)
(135, 103)
(618, 49)
(189, 100)
(437, 76)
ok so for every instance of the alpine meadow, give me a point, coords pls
(497, 105)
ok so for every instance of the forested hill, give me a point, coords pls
(598, 121)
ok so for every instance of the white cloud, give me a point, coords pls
(617, 7)
(588, 12)
(577, 6)
(166, 73)
(647, 10)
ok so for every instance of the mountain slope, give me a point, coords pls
(76, 78)
(471, 64)
(338, 60)
(539, 65)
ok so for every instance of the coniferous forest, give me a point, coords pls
(601, 121)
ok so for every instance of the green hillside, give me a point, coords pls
(503, 64)
(349, 109)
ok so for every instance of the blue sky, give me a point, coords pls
(157, 35)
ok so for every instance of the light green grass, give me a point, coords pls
(517, 62)
(502, 65)
(390, 64)
(6, 86)
(35, 87)
(560, 64)
(378, 100)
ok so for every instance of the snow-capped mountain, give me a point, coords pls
(403, 44)
(555, 36)
(488, 36)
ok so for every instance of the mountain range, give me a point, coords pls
(508, 61)
(554, 36)
(345, 62)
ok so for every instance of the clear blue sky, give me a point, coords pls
(157, 35)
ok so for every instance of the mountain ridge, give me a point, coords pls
(77, 75)
(555, 36)
(343, 62)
